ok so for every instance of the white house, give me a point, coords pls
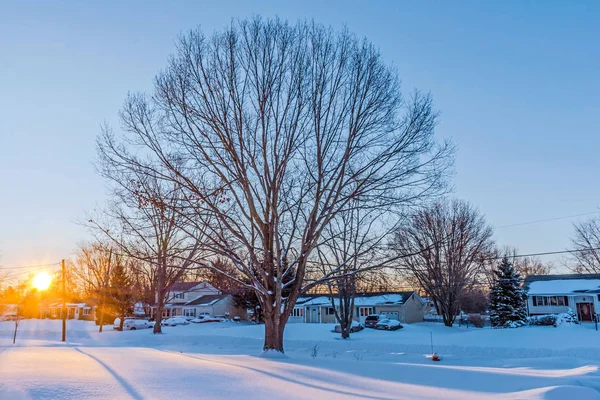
(406, 307)
(552, 294)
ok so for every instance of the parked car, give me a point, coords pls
(372, 320)
(205, 318)
(356, 327)
(132, 324)
(388, 325)
(174, 321)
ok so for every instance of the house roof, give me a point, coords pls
(562, 284)
(207, 300)
(183, 286)
(360, 299)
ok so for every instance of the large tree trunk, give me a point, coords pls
(273, 333)
(346, 332)
(158, 319)
(160, 302)
(123, 312)
(101, 320)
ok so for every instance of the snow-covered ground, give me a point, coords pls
(219, 360)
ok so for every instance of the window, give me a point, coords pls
(86, 311)
(329, 311)
(189, 312)
(297, 312)
(550, 301)
(364, 311)
(538, 300)
(180, 295)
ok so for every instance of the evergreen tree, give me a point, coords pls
(120, 297)
(508, 300)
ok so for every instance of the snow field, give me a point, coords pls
(220, 360)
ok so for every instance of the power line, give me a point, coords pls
(546, 220)
(15, 275)
(547, 253)
(28, 266)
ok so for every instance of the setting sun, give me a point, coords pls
(41, 281)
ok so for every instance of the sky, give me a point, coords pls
(517, 84)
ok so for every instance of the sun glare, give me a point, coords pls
(41, 281)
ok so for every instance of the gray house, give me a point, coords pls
(192, 299)
(405, 307)
(215, 305)
(553, 294)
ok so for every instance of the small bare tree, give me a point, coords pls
(148, 214)
(353, 248)
(445, 247)
(274, 129)
(93, 268)
(586, 243)
(525, 266)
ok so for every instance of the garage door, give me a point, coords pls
(390, 315)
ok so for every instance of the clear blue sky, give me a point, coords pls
(517, 83)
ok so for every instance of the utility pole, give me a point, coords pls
(64, 304)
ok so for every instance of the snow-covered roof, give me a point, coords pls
(365, 299)
(571, 286)
(562, 284)
(69, 305)
(138, 308)
(184, 286)
(206, 300)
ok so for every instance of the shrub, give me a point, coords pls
(544, 320)
(477, 320)
(568, 317)
(474, 301)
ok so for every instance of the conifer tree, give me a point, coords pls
(120, 292)
(508, 300)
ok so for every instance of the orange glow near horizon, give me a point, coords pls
(42, 281)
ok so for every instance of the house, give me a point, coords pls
(8, 311)
(215, 305)
(192, 299)
(80, 311)
(405, 307)
(552, 294)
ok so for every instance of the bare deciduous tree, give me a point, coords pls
(94, 262)
(273, 130)
(445, 247)
(353, 249)
(525, 266)
(586, 243)
(148, 214)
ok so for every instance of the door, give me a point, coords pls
(585, 311)
(314, 314)
(363, 313)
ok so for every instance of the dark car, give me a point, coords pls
(372, 320)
